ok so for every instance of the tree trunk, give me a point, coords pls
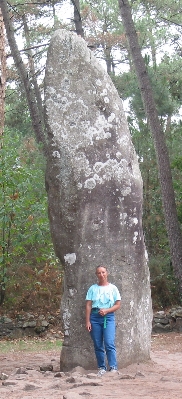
(108, 59)
(77, 18)
(167, 191)
(2, 117)
(36, 118)
(32, 76)
(2, 74)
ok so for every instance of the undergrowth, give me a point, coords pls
(32, 289)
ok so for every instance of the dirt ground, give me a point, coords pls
(158, 378)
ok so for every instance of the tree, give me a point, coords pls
(24, 234)
(77, 18)
(18, 212)
(2, 73)
(27, 80)
(2, 117)
(103, 32)
(27, 73)
(167, 191)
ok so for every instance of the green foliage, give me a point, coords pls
(166, 83)
(176, 166)
(167, 11)
(17, 113)
(104, 12)
(163, 284)
(104, 31)
(153, 218)
(25, 236)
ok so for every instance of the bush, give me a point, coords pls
(163, 284)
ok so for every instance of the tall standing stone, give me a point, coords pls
(95, 200)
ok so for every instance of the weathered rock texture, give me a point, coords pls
(95, 200)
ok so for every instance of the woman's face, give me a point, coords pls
(101, 274)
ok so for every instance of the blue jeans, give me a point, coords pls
(104, 339)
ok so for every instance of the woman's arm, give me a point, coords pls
(115, 307)
(87, 314)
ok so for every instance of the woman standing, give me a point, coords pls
(102, 300)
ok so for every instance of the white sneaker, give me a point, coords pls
(113, 370)
(101, 372)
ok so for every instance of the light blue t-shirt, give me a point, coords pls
(103, 296)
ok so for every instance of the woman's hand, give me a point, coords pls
(88, 326)
(115, 307)
(103, 312)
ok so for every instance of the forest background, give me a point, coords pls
(30, 274)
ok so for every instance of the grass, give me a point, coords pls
(30, 345)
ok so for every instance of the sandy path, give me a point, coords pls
(159, 378)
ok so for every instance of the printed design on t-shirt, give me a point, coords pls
(104, 296)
